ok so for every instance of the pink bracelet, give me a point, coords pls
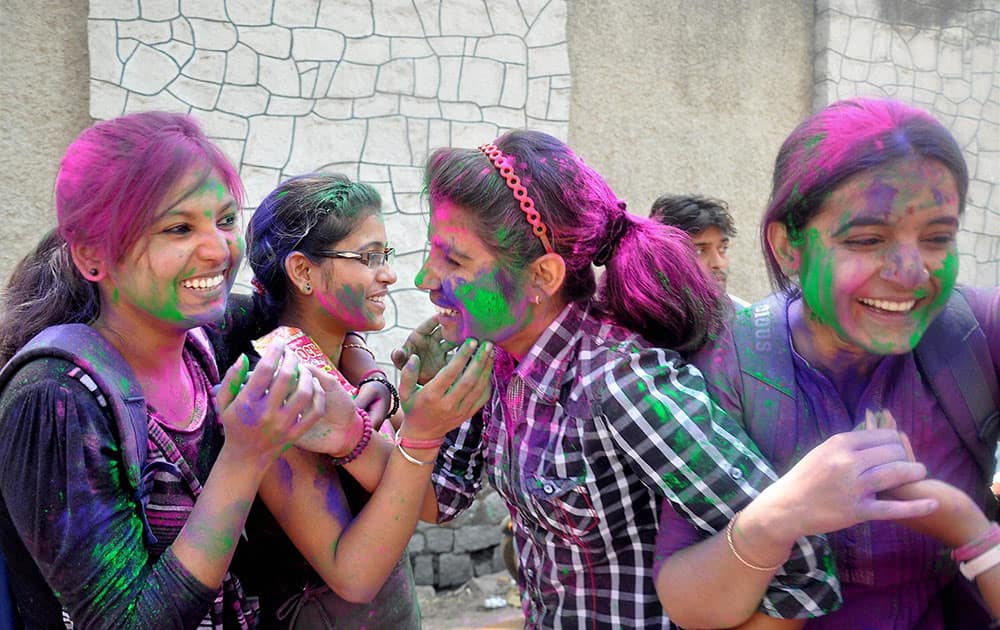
(366, 436)
(978, 546)
(399, 440)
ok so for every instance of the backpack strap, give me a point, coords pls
(767, 373)
(103, 371)
(954, 358)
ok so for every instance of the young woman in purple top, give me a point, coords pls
(864, 213)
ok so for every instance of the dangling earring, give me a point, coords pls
(307, 289)
(536, 299)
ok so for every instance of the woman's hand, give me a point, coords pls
(340, 426)
(375, 398)
(266, 411)
(426, 342)
(457, 391)
(836, 485)
(957, 521)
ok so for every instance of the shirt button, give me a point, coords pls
(530, 572)
(549, 488)
(735, 473)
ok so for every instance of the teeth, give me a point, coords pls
(886, 305)
(377, 298)
(202, 284)
(447, 312)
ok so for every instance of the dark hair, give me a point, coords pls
(111, 181)
(842, 140)
(653, 283)
(693, 213)
(44, 280)
(306, 214)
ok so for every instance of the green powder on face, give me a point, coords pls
(947, 275)
(817, 281)
(485, 302)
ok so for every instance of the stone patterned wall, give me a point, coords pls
(943, 57)
(363, 88)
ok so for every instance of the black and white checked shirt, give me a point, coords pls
(583, 439)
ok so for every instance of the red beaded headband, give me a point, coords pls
(502, 163)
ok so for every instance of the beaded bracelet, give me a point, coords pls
(732, 547)
(394, 395)
(360, 346)
(366, 436)
(979, 545)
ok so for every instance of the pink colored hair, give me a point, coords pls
(117, 173)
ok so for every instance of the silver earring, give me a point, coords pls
(307, 289)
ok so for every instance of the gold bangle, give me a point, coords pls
(732, 547)
(359, 346)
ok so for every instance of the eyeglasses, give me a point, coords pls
(373, 260)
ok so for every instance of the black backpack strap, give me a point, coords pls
(108, 376)
(954, 357)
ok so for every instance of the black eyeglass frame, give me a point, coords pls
(383, 256)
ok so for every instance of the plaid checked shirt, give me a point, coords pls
(583, 439)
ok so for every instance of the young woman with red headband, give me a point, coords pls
(594, 418)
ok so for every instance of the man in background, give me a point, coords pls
(710, 226)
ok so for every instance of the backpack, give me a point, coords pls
(115, 387)
(952, 356)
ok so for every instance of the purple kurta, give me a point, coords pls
(892, 578)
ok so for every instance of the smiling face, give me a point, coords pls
(878, 261)
(475, 296)
(712, 246)
(181, 271)
(352, 295)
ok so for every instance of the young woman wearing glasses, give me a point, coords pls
(317, 247)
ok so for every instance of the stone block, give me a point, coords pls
(279, 76)
(416, 544)
(319, 142)
(507, 18)
(353, 18)
(334, 108)
(200, 94)
(241, 65)
(208, 9)
(259, 182)
(476, 537)
(206, 65)
(426, 76)
(269, 140)
(289, 106)
(222, 125)
(414, 107)
(102, 44)
(112, 9)
(106, 100)
(387, 141)
(396, 77)
(351, 80)
(273, 41)
(548, 60)
(157, 10)
(439, 539)
(409, 47)
(250, 12)
(860, 38)
(453, 569)
(374, 50)
(924, 48)
(468, 18)
(243, 100)
(148, 71)
(317, 44)
(481, 81)
(447, 46)
(549, 28)
(295, 12)
(423, 570)
(212, 35)
(465, 112)
(145, 31)
(505, 48)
